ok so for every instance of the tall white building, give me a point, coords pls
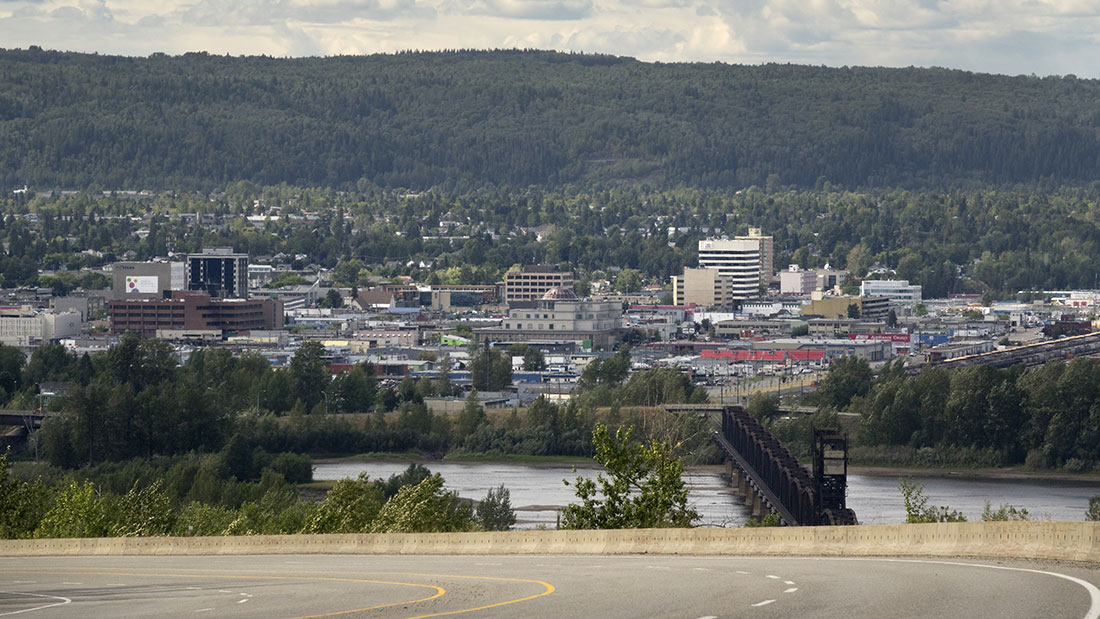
(737, 259)
(767, 253)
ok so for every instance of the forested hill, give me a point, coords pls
(465, 119)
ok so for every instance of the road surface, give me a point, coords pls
(542, 586)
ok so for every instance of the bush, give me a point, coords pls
(917, 509)
(1093, 513)
(1004, 513)
(494, 512)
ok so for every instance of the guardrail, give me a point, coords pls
(1070, 541)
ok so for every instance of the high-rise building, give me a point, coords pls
(738, 259)
(219, 272)
(767, 253)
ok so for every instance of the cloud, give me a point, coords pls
(553, 10)
(1005, 36)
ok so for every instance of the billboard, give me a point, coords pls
(142, 284)
(900, 338)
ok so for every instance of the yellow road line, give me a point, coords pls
(439, 591)
(548, 588)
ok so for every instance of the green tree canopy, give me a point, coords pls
(642, 487)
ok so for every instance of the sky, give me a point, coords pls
(1013, 37)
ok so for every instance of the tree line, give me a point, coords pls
(137, 401)
(469, 119)
(92, 504)
(1047, 417)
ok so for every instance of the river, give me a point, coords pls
(538, 492)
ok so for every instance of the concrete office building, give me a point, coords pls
(829, 278)
(738, 259)
(560, 316)
(870, 308)
(899, 292)
(26, 327)
(795, 280)
(193, 311)
(146, 280)
(218, 272)
(533, 282)
(702, 287)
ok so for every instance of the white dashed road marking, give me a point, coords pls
(791, 590)
(764, 603)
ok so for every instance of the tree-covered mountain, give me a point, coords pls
(461, 120)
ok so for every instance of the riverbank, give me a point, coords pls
(1009, 473)
(415, 458)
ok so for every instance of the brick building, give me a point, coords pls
(193, 311)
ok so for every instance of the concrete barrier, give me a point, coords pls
(1074, 541)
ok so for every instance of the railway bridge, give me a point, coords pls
(771, 479)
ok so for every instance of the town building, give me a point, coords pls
(560, 316)
(796, 280)
(219, 272)
(534, 281)
(27, 327)
(702, 287)
(899, 292)
(739, 260)
(193, 311)
(146, 280)
(869, 308)
(829, 278)
(767, 253)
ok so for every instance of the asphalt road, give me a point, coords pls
(543, 586)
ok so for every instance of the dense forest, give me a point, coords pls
(464, 120)
(1047, 417)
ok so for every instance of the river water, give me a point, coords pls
(538, 491)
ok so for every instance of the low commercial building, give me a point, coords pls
(193, 311)
(749, 328)
(26, 327)
(870, 308)
(870, 350)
